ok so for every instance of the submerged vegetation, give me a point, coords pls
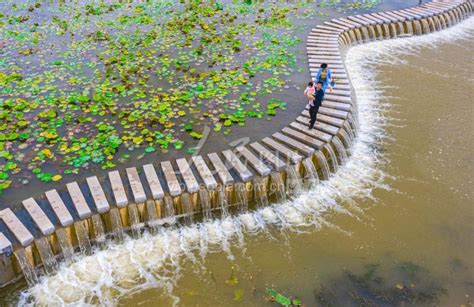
(409, 284)
(80, 82)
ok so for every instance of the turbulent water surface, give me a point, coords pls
(393, 225)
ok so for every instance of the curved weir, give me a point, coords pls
(251, 176)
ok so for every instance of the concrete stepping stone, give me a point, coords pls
(21, 233)
(5, 244)
(153, 181)
(78, 200)
(337, 105)
(285, 151)
(237, 165)
(382, 19)
(335, 121)
(59, 208)
(192, 186)
(333, 112)
(301, 137)
(399, 17)
(377, 21)
(174, 186)
(276, 162)
(118, 189)
(204, 172)
(136, 186)
(306, 150)
(317, 133)
(38, 216)
(256, 163)
(222, 171)
(303, 123)
(98, 195)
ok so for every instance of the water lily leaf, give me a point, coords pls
(178, 144)
(188, 127)
(56, 177)
(196, 135)
(47, 153)
(150, 149)
(3, 175)
(10, 166)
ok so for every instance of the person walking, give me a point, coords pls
(318, 100)
(324, 76)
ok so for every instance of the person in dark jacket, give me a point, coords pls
(318, 100)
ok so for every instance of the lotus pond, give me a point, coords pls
(91, 85)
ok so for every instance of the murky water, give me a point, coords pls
(394, 225)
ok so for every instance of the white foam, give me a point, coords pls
(154, 260)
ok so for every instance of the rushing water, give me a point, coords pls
(393, 225)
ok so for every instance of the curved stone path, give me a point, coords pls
(256, 174)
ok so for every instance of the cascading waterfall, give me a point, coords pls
(152, 216)
(222, 201)
(311, 177)
(425, 26)
(346, 139)
(442, 21)
(241, 197)
(293, 181)
(409, 27)
(260, 193)
(116, 223)
(378, 31)
(187, 208)
(393, 30)
(371, 30)
(65, 245)
(169, 216)
(351, 132)
(82, 238)
(278, 186)
(365, 34)
(386, 30)
(358, 34)
(352, 122)
(205, 204)
(417, 26)
(26, 267)
(352, 35)
(99, 231)
(323, 164)
(434, 23)
(340, 150)
(332, 157)
(47, 257)
(134, 219)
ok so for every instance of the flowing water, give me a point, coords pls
(49, 262)
(222, 201)
(205, 204)
(311, 176)
(82, 238)
(393, 226)
(65, 245)
(278, 186)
